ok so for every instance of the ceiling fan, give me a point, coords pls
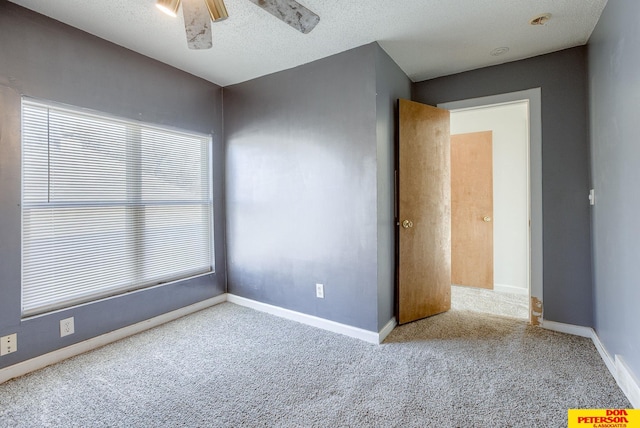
(198, 15)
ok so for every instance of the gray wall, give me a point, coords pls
(46, 59)
(391, 84)
(562, 77)
(614, 61)
(303, 186)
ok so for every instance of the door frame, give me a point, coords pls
(534, 98)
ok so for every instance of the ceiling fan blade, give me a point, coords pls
(291, 12)
(197, 24)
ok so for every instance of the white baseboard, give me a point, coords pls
(58, 355)
(620, 371)
(504, 288)
(604, 354)
(576, 330)
(388, 328)
(627, 382)
(335, 327)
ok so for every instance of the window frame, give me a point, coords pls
(137, 126)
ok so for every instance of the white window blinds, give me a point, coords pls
(109, 206)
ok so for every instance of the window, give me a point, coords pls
(109, 206)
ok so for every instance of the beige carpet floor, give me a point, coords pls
(490, 302)
(229, 366)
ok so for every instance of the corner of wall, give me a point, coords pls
(391, 84)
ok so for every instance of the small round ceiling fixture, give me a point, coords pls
(540, 19)
(499, 51)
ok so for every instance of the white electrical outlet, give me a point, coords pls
(320, 291)
(8, 344)
(66, 327)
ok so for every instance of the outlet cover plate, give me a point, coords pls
(320, 291)
(8, 344)
(67, 327)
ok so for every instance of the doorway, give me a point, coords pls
(517, 191)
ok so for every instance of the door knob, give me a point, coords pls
(407, 224)
(487, 219)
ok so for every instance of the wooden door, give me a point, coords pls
(472, 209)
(424, 210)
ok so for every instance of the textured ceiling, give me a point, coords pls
(426, 38)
